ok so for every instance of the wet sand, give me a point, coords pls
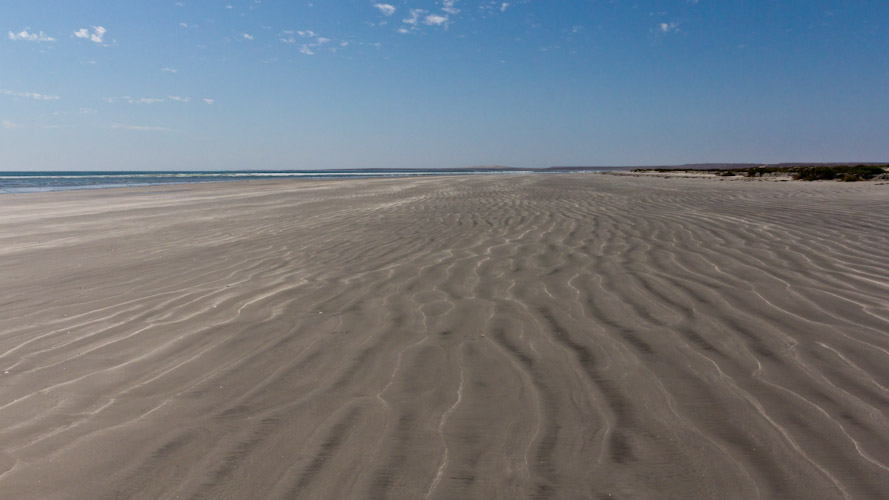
(534, 336)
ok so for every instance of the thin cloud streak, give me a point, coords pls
(30, 95)
(143, 128)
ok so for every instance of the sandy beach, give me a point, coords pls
(479, 337)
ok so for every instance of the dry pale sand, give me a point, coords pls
(544, 336)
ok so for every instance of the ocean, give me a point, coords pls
(30, 182)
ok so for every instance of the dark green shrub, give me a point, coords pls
(816, 173)
(866, 171)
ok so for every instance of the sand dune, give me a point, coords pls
(540, 337)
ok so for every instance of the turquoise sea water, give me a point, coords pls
(27, 182)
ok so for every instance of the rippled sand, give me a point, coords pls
(546, 336)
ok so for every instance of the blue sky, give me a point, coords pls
(274, 84)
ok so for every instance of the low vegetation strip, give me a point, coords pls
(845, 173)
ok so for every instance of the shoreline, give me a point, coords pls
(32, 182)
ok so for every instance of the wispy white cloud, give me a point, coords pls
(168, 70)
(448, 6)
(209, 101)
(8, 125)
(143, 128)
(134, 100)
(30, 95)
(494, 6)
(311, 41)
(247, 36)
(25, 35)
(424, 17)
(97, 35)
(81, 111)
(385, 8)
(145, 100)
(435, 20)
(668, 27)
(416, 14)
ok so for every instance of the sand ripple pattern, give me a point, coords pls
(515, 337)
